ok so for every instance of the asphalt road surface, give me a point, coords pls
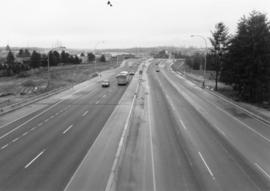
(42, 151)
(192, 140)
(180, 137)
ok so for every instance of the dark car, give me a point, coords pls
(132, 73)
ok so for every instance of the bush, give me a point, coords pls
(29, 83)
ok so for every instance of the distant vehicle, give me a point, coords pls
(132, 73)
(122, 79)
(105, 83)
(157, 70)
(124, 72)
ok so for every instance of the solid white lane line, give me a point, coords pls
(209, 170)
(11, 131)
(33, 160)
(64, 132)
(5, 146)
(120, 145)
(46, 120)
(84, 114)
(230, 115)
(98, 102)
(262, 170)
(244, 124)
(151, 143)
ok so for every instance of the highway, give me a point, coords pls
(188, 139)
(41, 151)
(162, 132)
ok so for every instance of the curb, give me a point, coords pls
(248, 112)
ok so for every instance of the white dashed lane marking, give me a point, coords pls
(85, 113)
(5, 146)
(64, 132)
(34, 159)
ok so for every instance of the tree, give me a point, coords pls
(102, 58)
(10, 62)
(35, 60)
(91, 57)
(54, 58)
(249, 58)
(220, 41)
(65, 57)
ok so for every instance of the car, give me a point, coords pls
(132, 73)
(105, 83)
(157, 70)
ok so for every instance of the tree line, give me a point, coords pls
(26, 60)
(241, 60)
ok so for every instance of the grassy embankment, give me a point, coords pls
(34, 82)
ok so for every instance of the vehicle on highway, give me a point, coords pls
(157, 70)
(132, 73)
(124, 72)
(105, 83)
(122, 78)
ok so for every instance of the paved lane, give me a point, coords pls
(43, 154)
(208, 138)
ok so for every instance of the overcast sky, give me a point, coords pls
(129, 23)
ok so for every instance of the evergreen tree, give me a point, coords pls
(35, 60)
(91, 57)
(219, 41)
(249, 58)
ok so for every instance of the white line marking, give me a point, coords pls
(244, 124)
(97, 102)
(33, 160)
(5, 146)
(25, 134)
(209, 170)
(262, 170)
(46, 120)
(52, 116)
(151, 138)
(151, 148)
(121, 143)
(33, 128)
(14, 140)
(64, 132)
(84, 114)
(11, 131)
(40, 124)
(230, 115)
(57, 113)
(104, 96)
(182, 123)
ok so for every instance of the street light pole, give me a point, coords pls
(205, 57)
(48, 83)
(95, 54)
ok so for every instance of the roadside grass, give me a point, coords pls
(225, 90)
(34, 82)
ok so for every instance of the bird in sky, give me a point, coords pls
(109, 3)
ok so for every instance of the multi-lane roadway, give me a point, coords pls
(178, 137)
